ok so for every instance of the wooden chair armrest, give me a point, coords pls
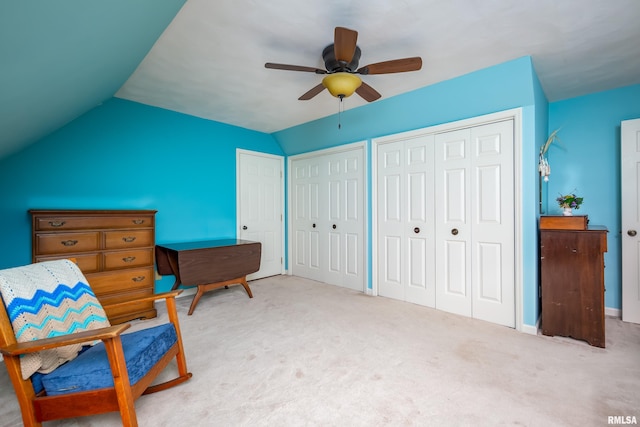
(154, 297)
(109, 332)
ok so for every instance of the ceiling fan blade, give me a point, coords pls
(294, 68)
(393, 66)
(368, 93)
(312, 92)
(344, 44)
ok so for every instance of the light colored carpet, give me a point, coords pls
(303, 353)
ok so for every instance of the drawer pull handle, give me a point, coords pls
(129, 259)
(57, 223)
(138, 221)
(138, 278)
(69, 242)
(129, 239)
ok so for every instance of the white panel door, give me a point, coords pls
(327, 218)
(391, 221)
(492, 205)
(405, 220)
(344, 224)
(630, 209)
(475, 222)
(260, 208)
(452, 219)
(305, 216)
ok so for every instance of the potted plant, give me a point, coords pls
(568, 202)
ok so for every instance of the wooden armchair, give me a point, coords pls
(105, 377)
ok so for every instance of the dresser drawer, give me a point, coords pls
(88, 263)
(128, 239)
(130, 311)
(116, 282)
(63, 243)
(51, 223)
(127, 259)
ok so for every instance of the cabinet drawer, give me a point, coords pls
(50, 223)
(64, 243)
(128, 239)
(88, 263)
(130, 311)
(127, 259)
(122, 281)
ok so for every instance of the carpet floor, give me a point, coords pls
(303, 353)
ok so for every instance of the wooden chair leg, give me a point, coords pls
(173, 318)
(24, 391)
(121, 382)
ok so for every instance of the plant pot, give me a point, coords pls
(567, 211)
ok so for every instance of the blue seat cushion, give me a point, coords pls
(91, 370)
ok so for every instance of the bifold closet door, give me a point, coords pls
(342, 219)
(305, 217)
(406, 220)
(475, 222)
(328, 217)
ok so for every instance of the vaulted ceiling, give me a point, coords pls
(206, 58)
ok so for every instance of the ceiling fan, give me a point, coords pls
(341, 62)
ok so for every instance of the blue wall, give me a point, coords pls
(125, 155)
(496, 88)
(587, 161)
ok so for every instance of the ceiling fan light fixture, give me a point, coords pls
(341, 85)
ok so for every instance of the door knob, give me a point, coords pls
(632, 233)
(454, 231)
(416, 230)
(244, 227)
(334, 226)
(314, 226)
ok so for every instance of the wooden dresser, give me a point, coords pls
(113, 248)
(572, 283)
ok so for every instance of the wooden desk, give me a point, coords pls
(210, 264)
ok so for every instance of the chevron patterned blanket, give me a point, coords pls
(45, 300)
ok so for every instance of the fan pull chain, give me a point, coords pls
(340, 109)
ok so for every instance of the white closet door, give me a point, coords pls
(475, 223)
(492, 201)
(391, 192)
(328, 217)
(405, 220)
(344, 224)
(453, 226)
(305, 216)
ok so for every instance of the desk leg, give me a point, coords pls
(176, 272)
(211, 286)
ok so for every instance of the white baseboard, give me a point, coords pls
(613, 312)
(531, 330)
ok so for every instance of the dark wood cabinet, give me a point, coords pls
(572, 283)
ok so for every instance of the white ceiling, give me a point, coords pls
(209, 62)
